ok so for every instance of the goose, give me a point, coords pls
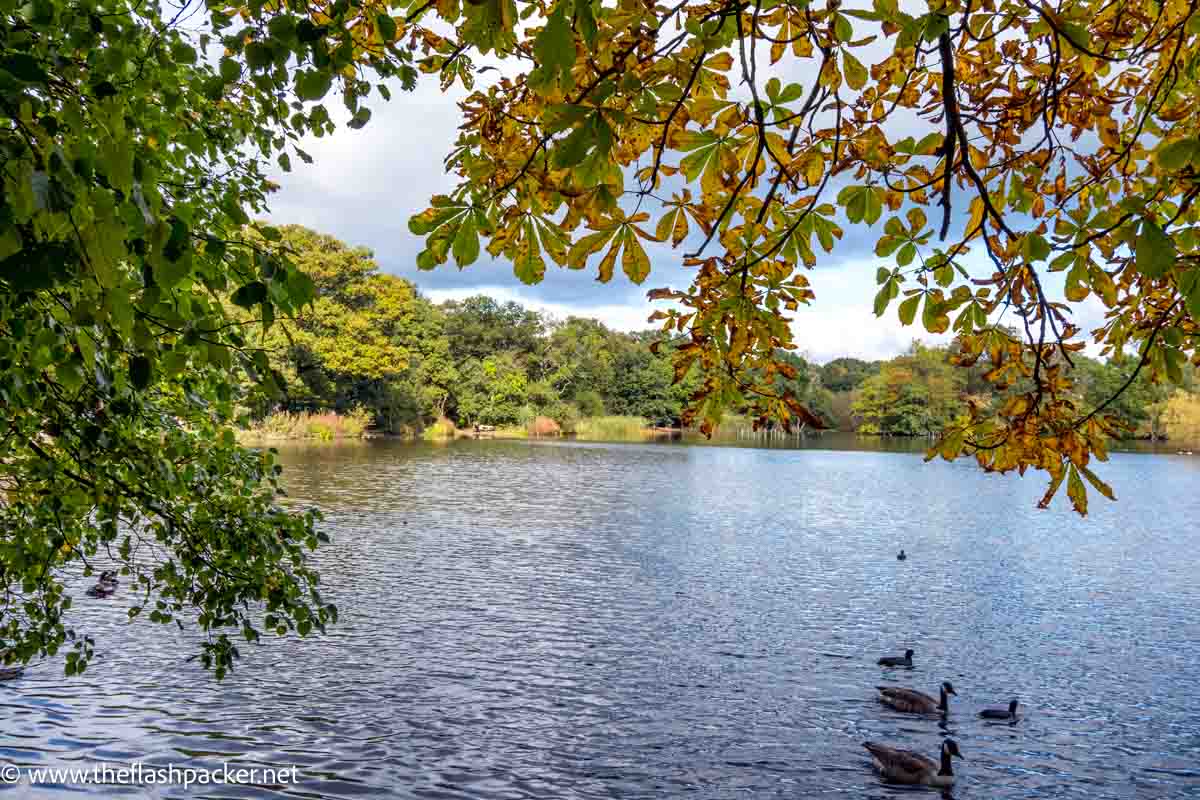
(897, 661)
(911, 701)
(1001, 713)
(905, 766)
(901, 556)
(105, 587)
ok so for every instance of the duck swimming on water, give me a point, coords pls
(901, 556)
(105, 586)
(897, 661)
(1001, 713)
(905, 766)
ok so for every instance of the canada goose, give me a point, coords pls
(911, 701)
(1001, 713)
(897, 661)
(905, 766)
(901, 556)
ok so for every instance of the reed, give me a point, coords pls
(322, 426)
(611, 429)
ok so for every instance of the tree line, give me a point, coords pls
(372, 341)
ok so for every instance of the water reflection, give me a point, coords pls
(646, 621)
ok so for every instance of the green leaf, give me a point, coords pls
(634, 261)
(529, 265)
(908, 309)
(230, 70)
(554, 47)
(574, 148)
(1034, 247)
(1076, 491)
(791, 93)
(854, 198)
(313, 84)
(1176, 155)
(140, 372)
(178, 242)
(23, 67)
(38, 266)
(1100, 485)
(585, 21)
(578, 255)
(1154, 251)
(259, 55)
(887, 245)
(386, 26)
(466, 243)
(250, 295)
(853, 69)
(885, 295)
(842, 29)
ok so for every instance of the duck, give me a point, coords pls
(106, 585)
(905, 766)
(897, 661)
(910, 701)
(1001, 713)
(901, 555)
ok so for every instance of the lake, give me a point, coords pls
(571, 620)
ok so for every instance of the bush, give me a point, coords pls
(544, 426)
(441, 429)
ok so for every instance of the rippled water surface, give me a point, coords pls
(626, 621)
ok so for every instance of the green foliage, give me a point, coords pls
(131, 166)
(369, 341)
(917, 394)
(439, 429)
(846, 374)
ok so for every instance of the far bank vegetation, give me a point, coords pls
(373, 356)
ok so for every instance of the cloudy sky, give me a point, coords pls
(365, 184)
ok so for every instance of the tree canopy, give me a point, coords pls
(133, 149)
(1009, 159)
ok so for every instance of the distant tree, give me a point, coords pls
(479, 326)
(642, 385)
(1138, 408)
(580, 356)
(917, 394)
(846, 374)
(492, 391)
